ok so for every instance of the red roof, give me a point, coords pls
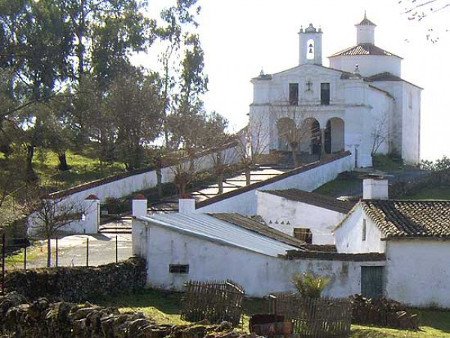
(364, 49)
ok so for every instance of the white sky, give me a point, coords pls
(240, 37)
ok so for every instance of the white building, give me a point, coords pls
(305, 215)
(414, 236)
(187, 246)
(360, 103)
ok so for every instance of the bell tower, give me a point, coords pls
(310, 45)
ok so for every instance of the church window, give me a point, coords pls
(303, 234)
(410, 100)
(293, 94)
(325, 93)
(310, 50)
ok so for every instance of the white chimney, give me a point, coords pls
(375, 189)
(139, 206)
(186, 205)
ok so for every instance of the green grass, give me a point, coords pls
(164, 308)
(344, 184)
(430, 193)
(16, 260)
(387, 163)
(83, 169)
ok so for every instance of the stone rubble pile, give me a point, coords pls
(382, 312)
(42, 318)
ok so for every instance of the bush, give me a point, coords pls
(116, 206)
(309, 285)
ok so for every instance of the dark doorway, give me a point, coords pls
(372, 281)
(316, 142)
(328, 138)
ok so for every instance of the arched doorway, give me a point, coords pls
(334, 135)
(311, 137)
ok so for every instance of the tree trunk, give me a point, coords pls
(220, 182)
(294, 157)
(159, 182)
(247, 175)
(49, 252)
(30, 174)
(63, 166)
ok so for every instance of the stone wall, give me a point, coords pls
(42, 318)
(79, 283)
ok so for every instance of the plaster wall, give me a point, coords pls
(276, 210)
(128, 185)
(349, 235)
(246, 203)
(209, 260)
(368, 64)
(418, 272)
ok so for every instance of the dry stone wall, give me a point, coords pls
(79, 283)
(42, 318)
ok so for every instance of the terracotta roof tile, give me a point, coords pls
(364, 49)
(400, 219)
(313, 198)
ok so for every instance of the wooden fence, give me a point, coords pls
(213, 301)
(321, 317)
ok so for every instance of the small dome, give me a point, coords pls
(92, 197)
(365, 21)
(139, 197)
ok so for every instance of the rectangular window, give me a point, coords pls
(293, 94)
(364, 230)
(325, 93)
(303, 234)
(178, 268)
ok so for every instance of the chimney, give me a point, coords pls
(186, 205)
(139, 206)
(375, 189)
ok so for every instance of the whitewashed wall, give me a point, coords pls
(418, 272)
(276, 209)
(246, 203)
(128, 185)
(368, 64)
(212, 261)
(348, 236)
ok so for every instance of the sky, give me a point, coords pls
(241, 37)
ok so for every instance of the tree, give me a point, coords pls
(252, 142)
(49, 216)
(420, 10)
(379, 133)
(177, 20)
(133, 102)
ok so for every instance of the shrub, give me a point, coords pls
(310, 285)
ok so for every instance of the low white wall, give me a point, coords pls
(246, 203)
(128, 185)
(349, 239)
(276, 209)
(418, 272)
(210, 260)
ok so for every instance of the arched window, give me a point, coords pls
(310, 51)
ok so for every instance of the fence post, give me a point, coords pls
(56, 251)
(87, 252)
(117, 253)
(3, 261)
(25, 254)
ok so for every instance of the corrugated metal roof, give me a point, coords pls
(213, 229)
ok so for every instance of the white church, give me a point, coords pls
(359, 103)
